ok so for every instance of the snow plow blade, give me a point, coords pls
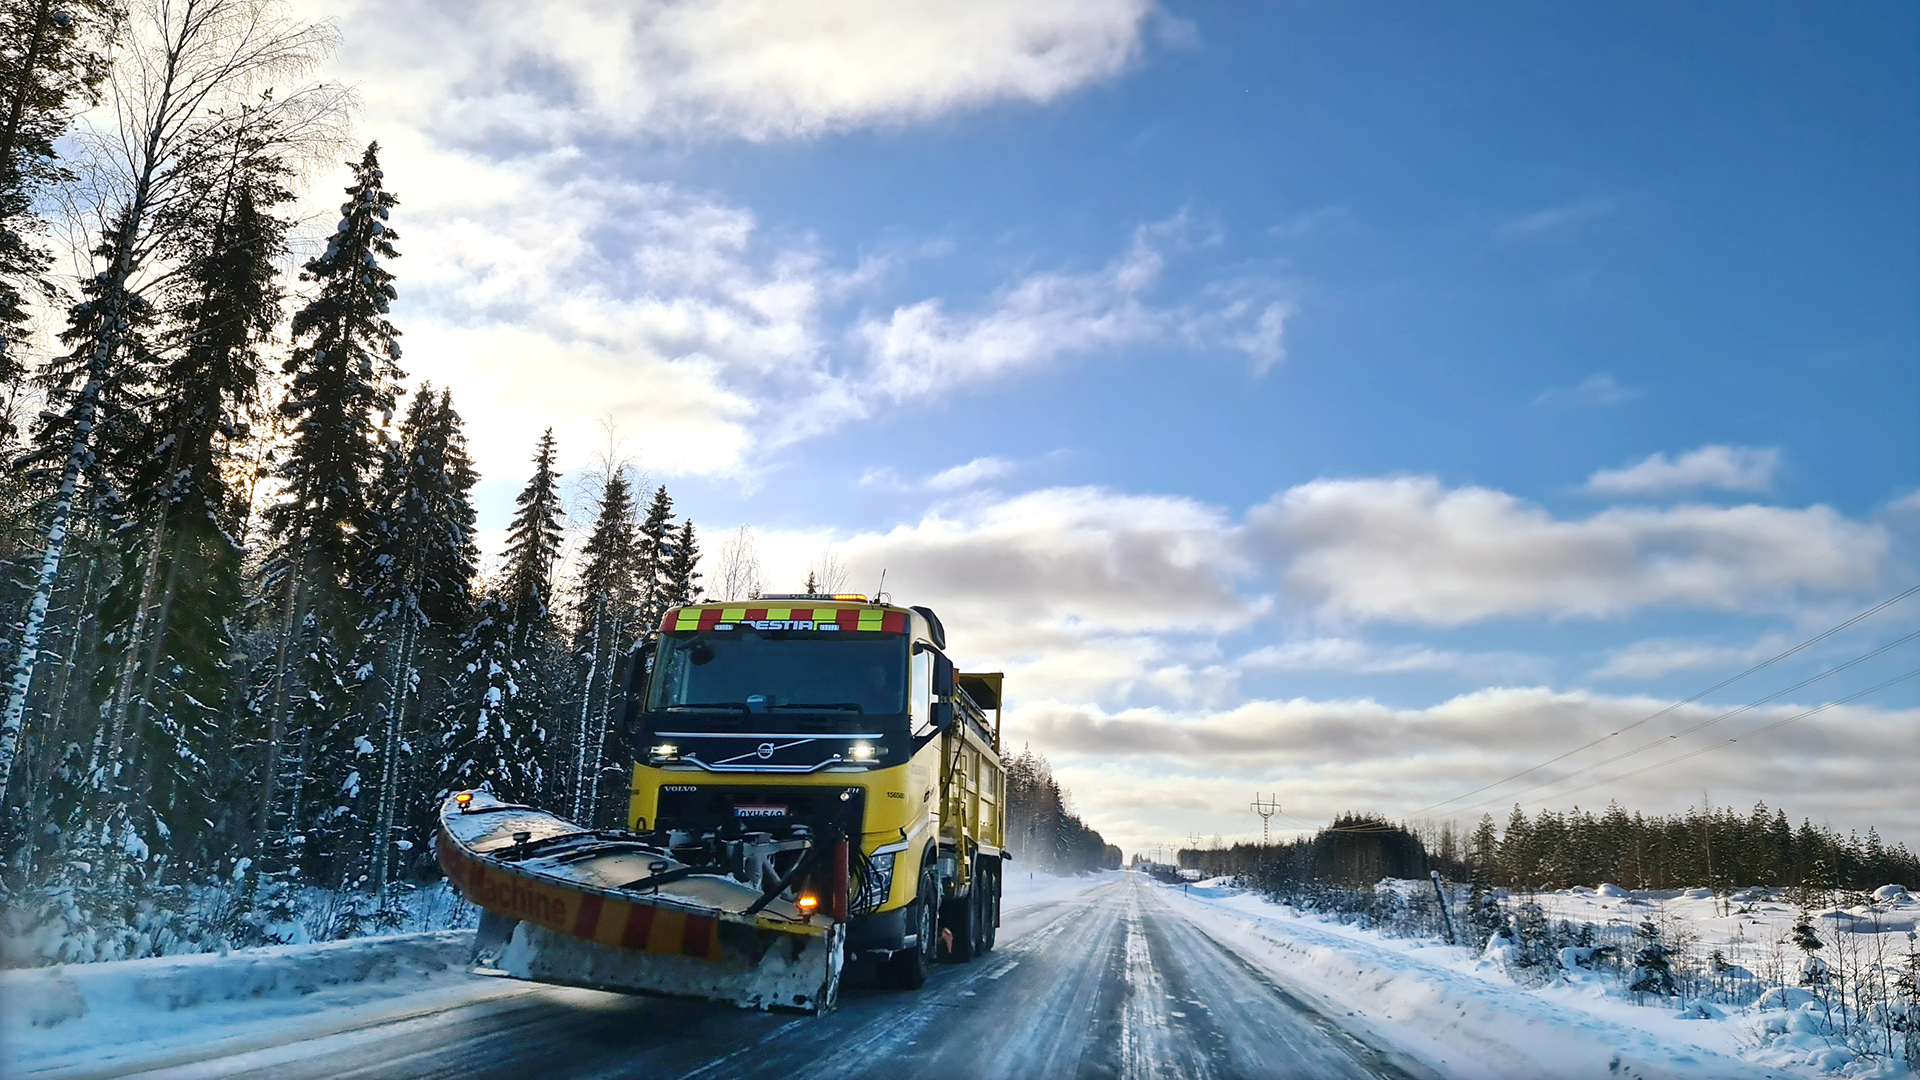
(617, 911)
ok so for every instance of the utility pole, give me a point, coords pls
(1266, 808)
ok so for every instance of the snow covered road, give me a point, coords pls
(1109, 981)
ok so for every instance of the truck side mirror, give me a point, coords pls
(632, 700)
(943, 689)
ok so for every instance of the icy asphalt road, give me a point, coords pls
(1112, 982)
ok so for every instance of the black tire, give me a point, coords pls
(980, 903)
(961, 920)
(999, 879)
(991, 903)
(908, 969)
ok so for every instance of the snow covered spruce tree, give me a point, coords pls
(416, 590)
(652, 553)
(682, 574)
(486, 738)
(605, 604)
(503, 697)
(344, 376)
(175, 611)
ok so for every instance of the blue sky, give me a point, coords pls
(1359, 401)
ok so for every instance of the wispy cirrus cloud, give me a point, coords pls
(1729, 468)
(961, 477)
(1048, 316)
(1555, 219)
(1599, 389)
(1348, 655)
(1658, 657)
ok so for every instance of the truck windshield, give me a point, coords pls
(774, 676)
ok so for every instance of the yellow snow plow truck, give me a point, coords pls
(814, 781)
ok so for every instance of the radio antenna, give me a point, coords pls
(880, 594)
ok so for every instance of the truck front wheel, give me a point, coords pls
(908, 968)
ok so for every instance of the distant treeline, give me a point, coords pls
(1042, 828)
(1719, 848)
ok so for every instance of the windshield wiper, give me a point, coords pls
(837, 706)
(707, 706)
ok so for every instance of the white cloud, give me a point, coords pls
(1731, 468)
(972, 474)
(583, 296)
(1083, 593)
(546, 287)
(1408, 550)
(1353, 656)
(922, 349)
(1058, 558)
(1310, 221)
(960, 477)
(1137, 772)
(1663, 656)
(1596, 390)
(1108, 611)
(755, 69)
(1558, 218)
(1263, 341)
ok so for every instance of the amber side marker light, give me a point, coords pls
(808, 904)
(465, 799)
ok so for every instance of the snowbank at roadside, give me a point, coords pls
(1461, 1014)
(102, 1014)
(1025, 884)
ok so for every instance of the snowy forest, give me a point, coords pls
(248, 641)
(1721, 849)
(1042, 828)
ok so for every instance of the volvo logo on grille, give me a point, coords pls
(765, 751)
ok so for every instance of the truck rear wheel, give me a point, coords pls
(908, 968)
(962, 918)
(990, 904)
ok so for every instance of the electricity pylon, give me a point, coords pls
(1266, 808)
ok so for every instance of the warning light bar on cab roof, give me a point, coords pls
(762, 616)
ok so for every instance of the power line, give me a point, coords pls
(1814, 640)
(1751, 734)
(1644, 747)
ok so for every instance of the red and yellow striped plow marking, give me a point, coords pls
(846, 618)
(609, 920)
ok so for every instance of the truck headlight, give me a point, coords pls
(861, 751)
(877, 884)
(665, 750)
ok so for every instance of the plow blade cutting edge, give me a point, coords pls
(611, 911)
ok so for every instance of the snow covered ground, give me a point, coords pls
(1465, 1015)
(118, 1012)
(1025, 885)
(100, 1016)
(1460, 1013)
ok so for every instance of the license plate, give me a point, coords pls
(758, 810)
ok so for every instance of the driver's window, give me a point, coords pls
(922, 691)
